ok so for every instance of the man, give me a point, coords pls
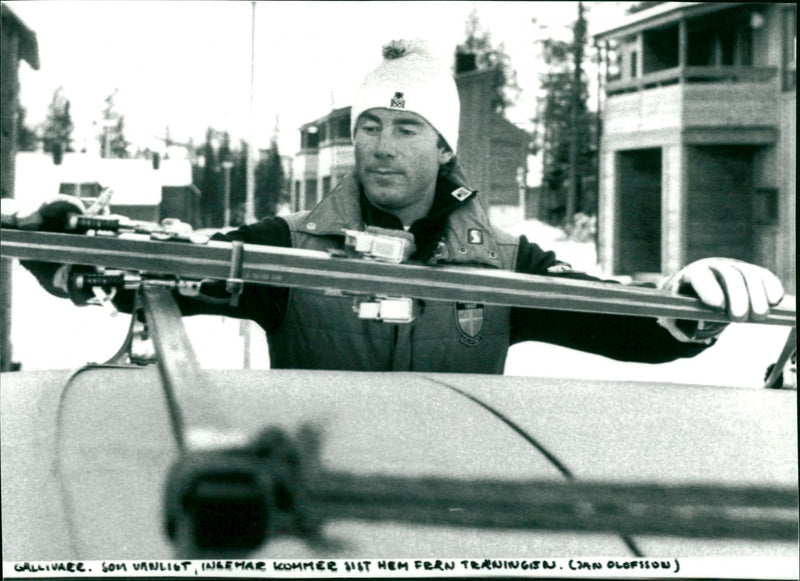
(405, 127)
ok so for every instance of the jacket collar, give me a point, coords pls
(467, 237)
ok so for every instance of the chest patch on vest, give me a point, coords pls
(469, 320)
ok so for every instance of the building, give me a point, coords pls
(140, 191)
(180, 198)
(17, 43)
(492, 151)
(325, 158)
(698, 152)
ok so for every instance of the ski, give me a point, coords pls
(239, 263)
(774, 378)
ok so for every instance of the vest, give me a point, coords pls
(323, 331)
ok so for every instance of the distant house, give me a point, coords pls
(324, 159)
(491, 150)
(180, 198)
(140, 191)
(698, 152)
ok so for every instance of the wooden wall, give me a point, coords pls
(17, 42)
(720, 203)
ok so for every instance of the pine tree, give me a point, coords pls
(210, 185)
(489, 57)
(58, 126)
(270, 182)
(112, 137)
(565, 128)
(26, 137)
(238, 182)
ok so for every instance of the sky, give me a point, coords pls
(186, 64)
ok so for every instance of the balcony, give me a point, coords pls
(693, 75)
(730, 104)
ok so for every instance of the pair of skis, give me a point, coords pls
(288, 267)
(238, 263)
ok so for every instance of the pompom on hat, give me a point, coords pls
(411, 78)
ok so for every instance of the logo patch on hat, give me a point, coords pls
(397, 102)
(461, 194)
(475, 236)
(469, 320)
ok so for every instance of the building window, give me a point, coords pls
(613, 64)
(790, 49)
(343, 128)
(80, 190)
(326, 186)
(634, 72)
(660, 49)
(765, 206)
(701, 48)
(721, 41)
(309, 139)
(311, 195)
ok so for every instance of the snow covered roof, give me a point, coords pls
(134, 181)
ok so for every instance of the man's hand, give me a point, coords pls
(50, 216)
(742, 290)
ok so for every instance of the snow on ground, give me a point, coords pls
(51, 333)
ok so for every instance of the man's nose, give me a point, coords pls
(385, 145)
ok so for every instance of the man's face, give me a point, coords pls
(397, 160)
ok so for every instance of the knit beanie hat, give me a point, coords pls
(411, 78)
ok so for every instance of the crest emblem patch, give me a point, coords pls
(397, 102)
(469, 320)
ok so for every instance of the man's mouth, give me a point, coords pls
(383, 171)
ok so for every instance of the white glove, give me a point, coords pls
(744, 291)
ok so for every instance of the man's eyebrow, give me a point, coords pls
(408, 121)
(369, 117)
(403, 120)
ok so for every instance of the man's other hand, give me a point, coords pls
(742, 290)
(49, 216)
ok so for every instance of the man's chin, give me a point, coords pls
(383, 196)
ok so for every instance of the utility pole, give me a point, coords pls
(249, 205)
(226, 168)
(572, 193)
(246, 327)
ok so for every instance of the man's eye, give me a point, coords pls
(408, 131)
(370, 128)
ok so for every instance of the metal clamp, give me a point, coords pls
(234, 283)
(381, 244)
(385, 309)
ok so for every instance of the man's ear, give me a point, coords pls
(445, 155)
